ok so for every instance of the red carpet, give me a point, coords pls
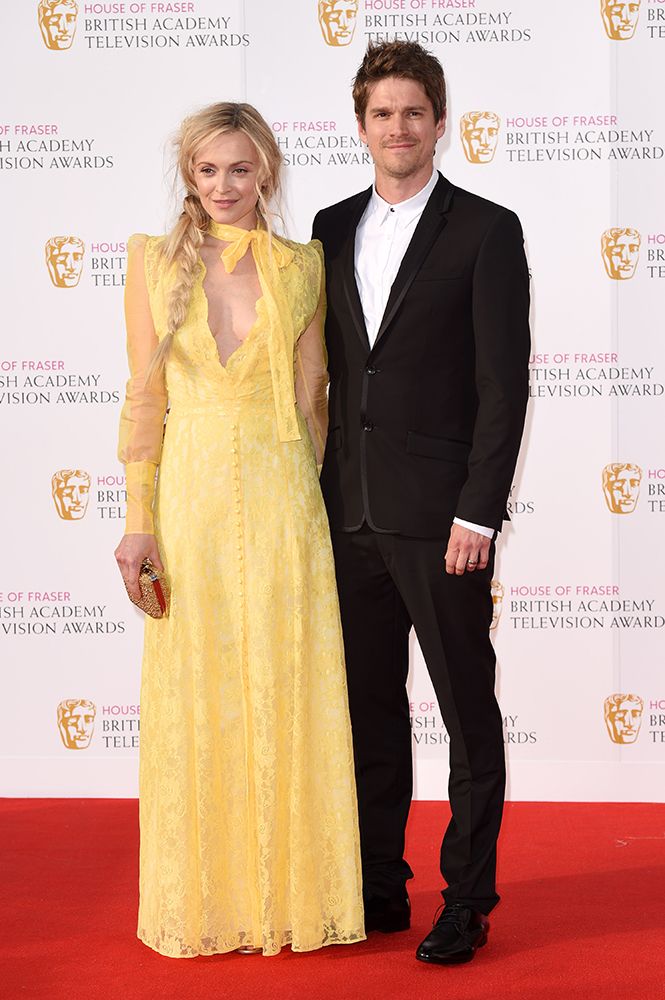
(582, 916)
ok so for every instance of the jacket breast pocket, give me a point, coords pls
(443, 449)
(438, 274)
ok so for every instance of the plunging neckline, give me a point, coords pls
(250, 333)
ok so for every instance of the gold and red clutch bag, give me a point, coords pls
(155, 591)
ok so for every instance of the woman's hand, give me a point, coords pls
(129, 555)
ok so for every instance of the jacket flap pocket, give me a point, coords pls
(436, 447)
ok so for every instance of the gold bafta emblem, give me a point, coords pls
(623, 717)
(338, 20)
(480, 134)
(57, 23)
(64, 260)
(497, 591)
(71, 490)
(76, 722)
(620, 249)
(620, 19)
(621, 486)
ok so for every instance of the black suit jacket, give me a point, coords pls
(426, 425)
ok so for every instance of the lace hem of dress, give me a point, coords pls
(176, 948)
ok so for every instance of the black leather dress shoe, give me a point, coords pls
(387, 915)
(455, 937)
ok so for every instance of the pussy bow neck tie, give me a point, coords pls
(239, 241)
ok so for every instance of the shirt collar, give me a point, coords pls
(406, 211)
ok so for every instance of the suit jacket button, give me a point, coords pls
(368, 426)
(371, 370)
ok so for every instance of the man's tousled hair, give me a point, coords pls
(406, 60)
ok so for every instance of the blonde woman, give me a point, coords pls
(249, 837)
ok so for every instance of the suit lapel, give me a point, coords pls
(348, 267)
(430, 224)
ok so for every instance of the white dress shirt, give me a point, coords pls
(382, 237)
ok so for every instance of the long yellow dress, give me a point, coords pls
(248, 813)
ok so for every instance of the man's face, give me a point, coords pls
(621, 256)
(620, 19)
(623, 490)
(624, 721)
(58, 25)
(338, 21)
(76, 727)
(480, 138)
(65, 263)
(71, 496)
(400, 129)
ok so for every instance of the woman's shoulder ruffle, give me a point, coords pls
(142, 241)
(151, 249)
(307, 257)
(313, 250)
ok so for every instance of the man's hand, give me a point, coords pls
(467, 551)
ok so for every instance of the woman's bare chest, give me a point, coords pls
(231, 300)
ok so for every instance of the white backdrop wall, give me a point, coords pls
(571, 135)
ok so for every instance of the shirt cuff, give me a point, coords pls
(140, 483)
(479, 528)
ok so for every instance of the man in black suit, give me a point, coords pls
(428, 341)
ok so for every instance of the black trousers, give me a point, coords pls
(387, 584)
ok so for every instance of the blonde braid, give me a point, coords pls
(180, 252)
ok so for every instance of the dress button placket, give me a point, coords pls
(235, 466)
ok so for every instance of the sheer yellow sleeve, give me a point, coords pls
(311, 370)
(142, 417)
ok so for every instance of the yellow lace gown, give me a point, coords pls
(248, 813)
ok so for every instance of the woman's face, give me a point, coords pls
(225, 173)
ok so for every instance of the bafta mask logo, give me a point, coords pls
(76, 723)
(480, 134)
(621, 487)
(621, 250)
(71, 491)
(620, 19)
(64, 260)
(623, 717)
(338, 20)
(57, 22)
(497, 591)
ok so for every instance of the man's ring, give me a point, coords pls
(472, 562)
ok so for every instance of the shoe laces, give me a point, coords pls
(450, 913)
